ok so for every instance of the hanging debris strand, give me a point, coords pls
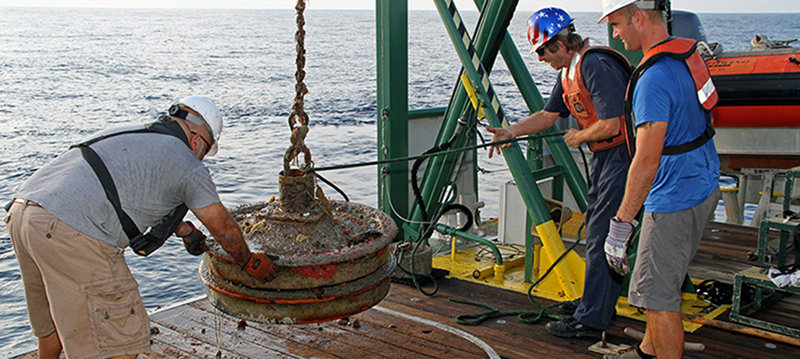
(298, 120)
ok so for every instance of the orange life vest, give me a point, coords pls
(579, 100)
(707, 96)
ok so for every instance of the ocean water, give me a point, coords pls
(66, 73)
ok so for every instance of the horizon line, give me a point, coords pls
(326, 9)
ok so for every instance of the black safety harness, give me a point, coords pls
(142, 243)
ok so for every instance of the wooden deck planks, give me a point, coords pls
(510, 338)
(187, 331)
(424, 340)
(198, 326)
(378, 335)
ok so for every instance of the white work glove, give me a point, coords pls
(616, 248)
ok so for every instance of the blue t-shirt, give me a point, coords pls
(666, 92)
(605, 78)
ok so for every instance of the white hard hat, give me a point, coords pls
(610, 6)
(210, 114)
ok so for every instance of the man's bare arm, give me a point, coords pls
(600, 130)
(649, 144)
(224, 230)
(535, 123)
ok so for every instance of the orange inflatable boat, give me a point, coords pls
(757, 88)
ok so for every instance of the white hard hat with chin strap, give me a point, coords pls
(210, 117)
(609, 6)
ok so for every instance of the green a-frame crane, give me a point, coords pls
(477, 55)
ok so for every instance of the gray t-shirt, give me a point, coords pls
(153, 173)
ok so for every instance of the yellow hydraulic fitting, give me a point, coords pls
(472, 96)
(453, 248)
(499, 273)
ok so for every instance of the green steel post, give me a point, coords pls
(490, 105)
(532, 97)
(439, 171)
(520, 74)
(491, 108)
(392, 91)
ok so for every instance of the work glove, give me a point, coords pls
(195, 241)
(616, 248)
(260, 265)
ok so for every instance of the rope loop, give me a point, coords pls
(298, 119)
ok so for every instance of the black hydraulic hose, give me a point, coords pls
(417, 163)
(408, 159)
(415, 186)
(524, 316)
(426, 230)
(463, 209)
(329, 183)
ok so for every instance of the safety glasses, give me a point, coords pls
(550, 44)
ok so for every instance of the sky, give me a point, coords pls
(739, 6)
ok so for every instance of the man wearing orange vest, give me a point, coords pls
(673, 174)
(592, 89)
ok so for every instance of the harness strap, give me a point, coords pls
(706, 95)
(110, 189)
(142, 244)
(697, 142)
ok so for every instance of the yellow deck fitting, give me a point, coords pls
(499, 273)
(570, 271)
(469, 264)
(569, 229)
(453, 248)
(689, 305)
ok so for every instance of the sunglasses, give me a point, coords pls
(547, 45)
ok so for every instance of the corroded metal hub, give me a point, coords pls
(302, 305)
(322, 247)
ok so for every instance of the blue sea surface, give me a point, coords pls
(66, 73)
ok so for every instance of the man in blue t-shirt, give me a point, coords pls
(678, 188)
(591, 87)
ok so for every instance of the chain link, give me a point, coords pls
(298, 120)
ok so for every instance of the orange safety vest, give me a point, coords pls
(707, 95)
(579, 100)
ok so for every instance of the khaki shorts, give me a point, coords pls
(667, 243)
(83, 282)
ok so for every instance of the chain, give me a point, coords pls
(298, 120)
